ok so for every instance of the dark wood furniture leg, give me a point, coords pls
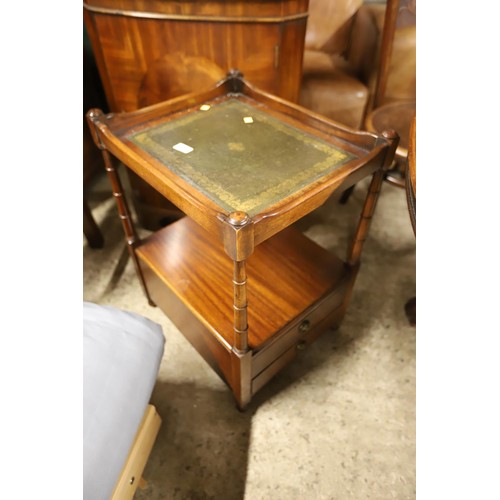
(91, 230)
(411, 311)
(128, 225)
(240, 355)
(239, 248)
(346, 195)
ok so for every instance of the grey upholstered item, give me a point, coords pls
(122, 352)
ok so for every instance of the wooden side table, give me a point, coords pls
(246, 288)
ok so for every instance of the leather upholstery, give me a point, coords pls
(340, 59)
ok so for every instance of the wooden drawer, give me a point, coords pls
(304, 329)
(268, 362)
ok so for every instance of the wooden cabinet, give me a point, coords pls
(148, 51)
(244, 286)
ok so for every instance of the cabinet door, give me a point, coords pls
(145, 61)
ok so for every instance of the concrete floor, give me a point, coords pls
(338, 423)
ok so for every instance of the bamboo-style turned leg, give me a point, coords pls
(354, 254)
(240, 307)
(124, 212)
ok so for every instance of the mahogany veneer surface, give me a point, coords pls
(286, 274)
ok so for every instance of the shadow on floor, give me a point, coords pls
(201, 451)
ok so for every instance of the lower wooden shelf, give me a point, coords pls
(296, 290)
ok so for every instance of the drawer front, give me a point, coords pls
(301, 336)
(262, 378)
(303, 330)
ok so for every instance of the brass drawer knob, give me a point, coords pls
(301, 345)
(304, 327)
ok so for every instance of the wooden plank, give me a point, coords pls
(130, 477)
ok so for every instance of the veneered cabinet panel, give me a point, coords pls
(147, 61)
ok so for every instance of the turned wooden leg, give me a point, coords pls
(241, 356)
(354, 253)
(127, 224)
(240, 307)
(93, 117)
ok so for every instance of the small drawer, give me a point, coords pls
(263, 377)
(300, 332)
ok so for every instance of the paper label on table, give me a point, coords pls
(248, 119)
(183, 148)
(204, 107)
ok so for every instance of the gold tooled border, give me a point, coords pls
(225, 199)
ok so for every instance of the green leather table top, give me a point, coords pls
(239, 156)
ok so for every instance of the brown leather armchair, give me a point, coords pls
(341, 60)
(335, 77)
(394, 97)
